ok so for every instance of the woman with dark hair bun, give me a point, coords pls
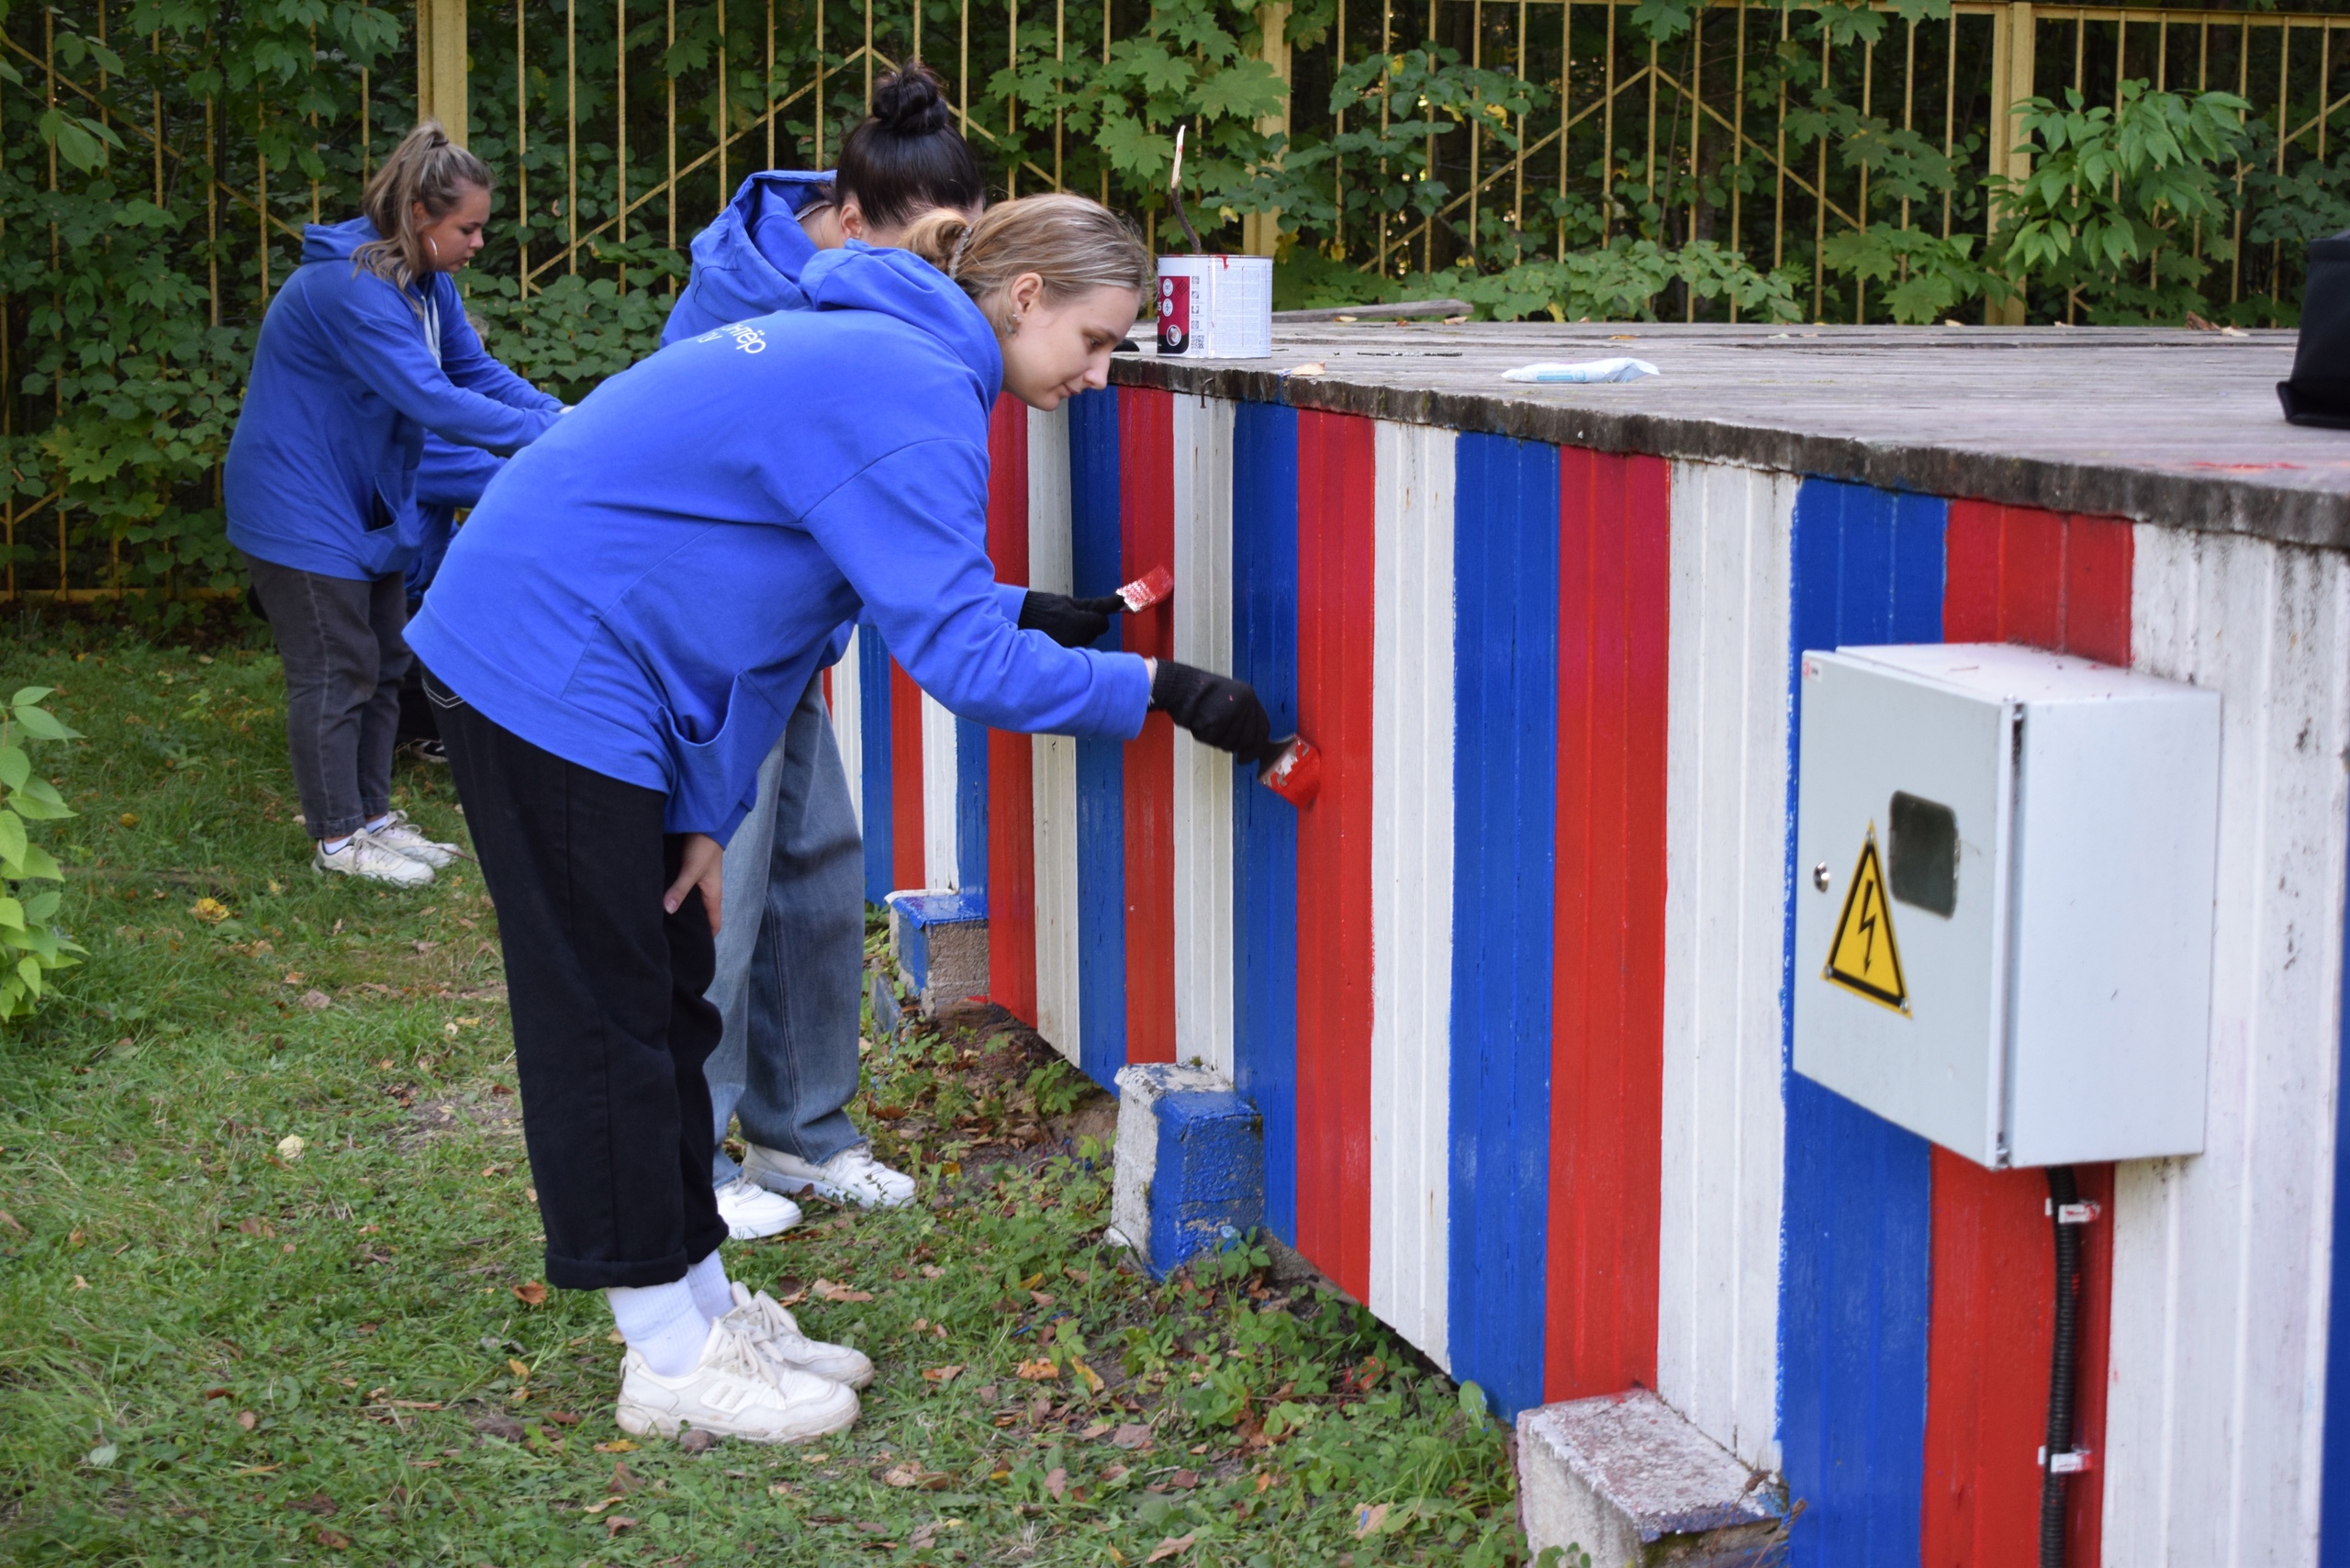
(789, 976)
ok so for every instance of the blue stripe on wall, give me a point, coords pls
(873, 723)
(1505, 764)
(971, 805)
(1100, 764)
(2333, 1484)
(1855, 1279)
(1264, 869)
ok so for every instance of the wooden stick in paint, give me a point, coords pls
(1175, 195)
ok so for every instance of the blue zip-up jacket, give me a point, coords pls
(646, 591)
(748, 261)
(347, 377)
(448, 479)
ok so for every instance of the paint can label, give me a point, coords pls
(1174, 313)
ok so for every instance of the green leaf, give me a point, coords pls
(15, 766)
(39, 724)
(29, 695)
(43, 905)
(38, 862)
(29, 971)
(13, 842)
(12, 914)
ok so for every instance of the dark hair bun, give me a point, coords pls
(910, 101)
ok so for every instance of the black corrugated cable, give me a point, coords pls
(2063, 1365)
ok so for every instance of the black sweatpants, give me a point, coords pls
(610, 1029)
(341, 641)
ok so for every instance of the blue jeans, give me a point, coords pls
(790, 962)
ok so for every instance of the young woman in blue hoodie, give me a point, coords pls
(790, 963)
(364, 350)
(615, 642)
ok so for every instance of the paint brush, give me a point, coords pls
(1154, 586)
(1175, 195)
(1291, 769)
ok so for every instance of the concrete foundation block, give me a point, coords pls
(1190, 1164)
(939, 941)
(1628, 1482)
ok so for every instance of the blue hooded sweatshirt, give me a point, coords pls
(748, 262)
(348, 374)
(645, 591)
(449, 479)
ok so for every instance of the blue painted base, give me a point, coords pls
(1209, 1184)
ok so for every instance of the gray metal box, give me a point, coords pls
(2005, 861)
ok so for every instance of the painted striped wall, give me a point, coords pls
(1512, 997)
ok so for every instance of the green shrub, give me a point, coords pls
(30, 943)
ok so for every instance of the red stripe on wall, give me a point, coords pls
(1147, 539)
(906, 860)
(1608, 977)
(828, 689)
(1336, 602)
(1011, 758)
(2052, 580)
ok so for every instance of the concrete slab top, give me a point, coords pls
(2162, 426)
(1662, 1474)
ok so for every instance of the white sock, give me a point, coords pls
(380, 823)
(661, 1323)
(711, 1293)
(336, 846)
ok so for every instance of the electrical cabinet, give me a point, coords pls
(2005, 864)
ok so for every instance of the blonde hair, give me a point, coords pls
(1076, 245)
(425, 167)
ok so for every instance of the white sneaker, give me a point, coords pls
(400, 836)
(852, 1176)
(370, 862)
(734, 1392)
(751, 1212)
(777, 1334)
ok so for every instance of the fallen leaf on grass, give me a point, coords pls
(941, 1374)
(10, 1221)
(908, 1474)
(532, 1294)
(928, 1270)
(1099, 1429)
(696, 1439)
(1092, 1379)
(618, 1445)
(317, 1503)
(1057, 1483)
(505, 1429)
(1183, 1479)
(517, 1368)
(247, 1419)
(592, 1509)
(315, 1000)
(1173, 1546)
(618, 1523)
(1038, 1370)
(1368, 1518)
(1132, 1435)
(212, 912)
(623, 1481)
(825, 1290)
(332, 1539)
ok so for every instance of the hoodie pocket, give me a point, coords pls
(715, 778)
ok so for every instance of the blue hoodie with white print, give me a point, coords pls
(348, 374)
(646, 591)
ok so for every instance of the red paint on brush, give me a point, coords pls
(1154, 586)
(1607, 967)
(1336, 601)
(908, 863)
(2059, 581)
(1146, 533)
(1294, 773)
(1011, 758)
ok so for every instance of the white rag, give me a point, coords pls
(1585, 373)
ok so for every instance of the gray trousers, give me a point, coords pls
(791, 953)
(342, 643)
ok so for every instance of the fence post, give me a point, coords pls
(2012, 35)
(1260, 232)
(440, 65)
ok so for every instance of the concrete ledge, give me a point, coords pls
(1629, 1482)
(940, 943)
(1190, 1164)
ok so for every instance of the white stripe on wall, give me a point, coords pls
(1411, 882)
(1051, 568)
(1726, 803)
(1204, 775)
(848, 726)
(942, 862)
(2219, 1260)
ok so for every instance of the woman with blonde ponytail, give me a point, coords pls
(614, 643)
(364, 351)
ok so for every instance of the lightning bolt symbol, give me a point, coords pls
(1868, 926)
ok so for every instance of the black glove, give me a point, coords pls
(1071, 622)
(1219, 711)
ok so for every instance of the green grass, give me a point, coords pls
(215, 1349)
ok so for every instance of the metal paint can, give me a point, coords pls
(1216, 306)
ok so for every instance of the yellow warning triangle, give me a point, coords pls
(1863, 958)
